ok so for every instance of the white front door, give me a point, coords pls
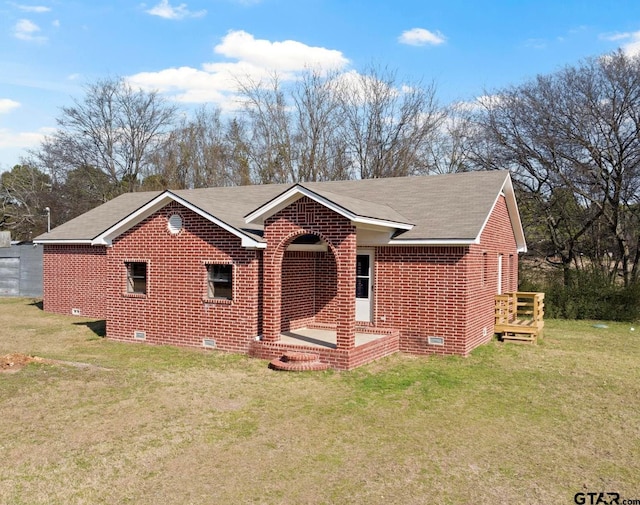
(364, 285)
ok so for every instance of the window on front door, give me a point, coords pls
(364, 285)
(362, 276)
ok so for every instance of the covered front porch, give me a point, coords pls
(371, 343)
(318, 281)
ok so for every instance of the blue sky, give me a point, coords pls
(189, 50)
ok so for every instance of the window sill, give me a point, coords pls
(134, 295)
(217, 301)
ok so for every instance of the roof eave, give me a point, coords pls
(514, 214)
(435, 242)
(296, 192)
(47, 241)
(155, 204)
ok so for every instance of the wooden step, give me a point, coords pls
(519, 337)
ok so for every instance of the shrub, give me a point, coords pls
(590, 295)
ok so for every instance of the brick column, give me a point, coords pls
(346, 269)
(272, 294)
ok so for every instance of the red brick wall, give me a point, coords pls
(422, 292)
(298, 289)
(175, 309)
(326, 288)
(308, 289)
(75, 277)
(446, 291)
(496, 239)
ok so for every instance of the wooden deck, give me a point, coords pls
(520, 316)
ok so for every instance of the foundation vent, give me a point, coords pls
(139, 335)
(209, 343)
(75, 312)
(435, 340)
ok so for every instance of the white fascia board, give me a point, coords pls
(514, 214)
(297, 192)
(435, 242)
(46, 241)
(275, 205)
(380, 223)
(106, 237)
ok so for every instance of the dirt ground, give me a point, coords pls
(16, 361)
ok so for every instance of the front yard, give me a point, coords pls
(121, 423)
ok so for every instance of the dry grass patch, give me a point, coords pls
(146, 425)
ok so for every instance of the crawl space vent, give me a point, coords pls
(75, 312)
(209, 342)
(435, 340)
(139, 335)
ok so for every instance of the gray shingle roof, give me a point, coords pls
(363, 208)
(92, 223)
(450, 206)
(441, 207)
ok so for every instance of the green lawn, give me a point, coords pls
(148, 425)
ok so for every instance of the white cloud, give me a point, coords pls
(632, 45)
(25, 29)
(537, 43)
(13, 145)
(421, 37)
(22, 140)
(38, 9)
(616, 36)
(479, 103)
(167, 11)
(7, 105)
(356, 84)
(185, 84)
(255, 59)
(288, 55)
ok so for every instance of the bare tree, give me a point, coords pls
(238, 153)
(571, 139)
(320, 149)
(25, 193)
(194, 155)
(113, 128)
(448, 149)
(387, 126)
(271, 143)
(339, 126)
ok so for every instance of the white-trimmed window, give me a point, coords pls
(220, 281)
(136, 277)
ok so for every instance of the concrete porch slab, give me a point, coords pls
(323, 338)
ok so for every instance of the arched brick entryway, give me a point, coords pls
(308, 217)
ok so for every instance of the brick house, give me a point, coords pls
(381, 265)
